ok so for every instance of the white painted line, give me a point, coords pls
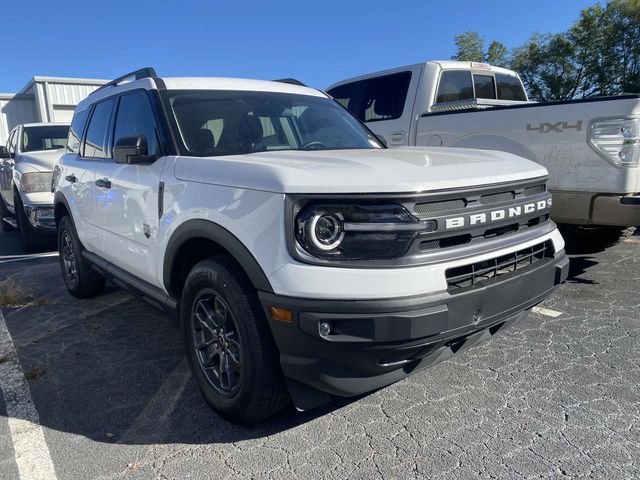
(546, 312)
(22, 258)
(30, 448)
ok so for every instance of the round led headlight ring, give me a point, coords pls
(326, 231)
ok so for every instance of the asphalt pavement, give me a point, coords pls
(556, 396)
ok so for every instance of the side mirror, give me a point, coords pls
(4, 153)
(131, 150)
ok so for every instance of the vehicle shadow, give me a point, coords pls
(113, 369)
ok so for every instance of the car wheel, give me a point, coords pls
(29, 238)
(231, 352)
(4, 213)
(81, 280)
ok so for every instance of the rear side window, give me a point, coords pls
(96, 144)
(510, 88)
(455, 85)
(485, 86)
(76, 130)
(375, 99)
(135, 118)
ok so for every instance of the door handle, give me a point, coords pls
(397, 136)
(103, 183)
(71, 178)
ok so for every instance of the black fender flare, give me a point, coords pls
(198, 228)
(60, 199)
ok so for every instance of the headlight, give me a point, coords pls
(617, 139)
(36, 182)
(358, 231)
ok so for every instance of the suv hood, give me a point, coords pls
(39, 161)
(411, 169)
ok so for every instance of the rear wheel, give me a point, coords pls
(4, 213)
(81, 280)
(230, 349)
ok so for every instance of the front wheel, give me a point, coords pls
(230, 350)
(30, 240)
(81, 280)
(4, 213)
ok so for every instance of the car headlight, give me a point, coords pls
(617, 139)
(357, 231)
(36, 182)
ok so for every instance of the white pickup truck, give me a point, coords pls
(591, 147)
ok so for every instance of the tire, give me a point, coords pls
(30, 240)
(4, 212)
(242, 381)
(81, 280)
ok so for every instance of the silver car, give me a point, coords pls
(26, 168)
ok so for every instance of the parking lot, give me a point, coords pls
(555, 396)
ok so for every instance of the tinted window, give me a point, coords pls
(49, 137)
(96, 144)
(135, 118)
(455, 85)
(241, 122)
(485, 86)
(347, 95)
(510, 88)
(380, 98)
(76, 131)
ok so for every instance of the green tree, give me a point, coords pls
(548, 67)
(470, 48)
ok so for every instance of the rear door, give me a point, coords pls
(384, 103)
(126, 196)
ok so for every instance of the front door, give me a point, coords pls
(126, 196)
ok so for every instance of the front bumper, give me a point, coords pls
(40, 217)
(377, 342)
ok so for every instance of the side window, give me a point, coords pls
(455, 85)
(135, 118)
(510, 88)
(485, 86)
(96, 143)
(349, 94)
(11, 142)
(75, 132)
(385, 97)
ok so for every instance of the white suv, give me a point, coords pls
(303, 257)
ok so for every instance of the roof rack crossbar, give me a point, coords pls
(292, 81)
(147, 72)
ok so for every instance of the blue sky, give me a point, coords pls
(316, 42)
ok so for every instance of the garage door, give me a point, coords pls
(63, 113)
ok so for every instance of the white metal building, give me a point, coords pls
(43, 99)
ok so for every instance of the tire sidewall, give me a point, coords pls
(212, 277)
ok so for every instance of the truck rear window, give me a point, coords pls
(485, 86)
(510, 88)
(455, 85)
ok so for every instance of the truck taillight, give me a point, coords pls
(617, 139)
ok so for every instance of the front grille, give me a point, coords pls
(437, 207)
(480, 273)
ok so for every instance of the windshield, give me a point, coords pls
(47, 137)
(212, 122)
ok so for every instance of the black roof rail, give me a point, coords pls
(292, 81)
(147, 72)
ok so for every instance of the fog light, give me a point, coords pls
(325, 329)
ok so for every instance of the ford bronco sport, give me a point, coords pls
(304, 259)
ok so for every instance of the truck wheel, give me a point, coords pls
(228, 343)
(29, 238)
(4, 213)
(81, 280)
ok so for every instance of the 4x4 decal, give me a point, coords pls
(554, 127)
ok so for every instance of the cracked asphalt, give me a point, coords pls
(547, 398)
